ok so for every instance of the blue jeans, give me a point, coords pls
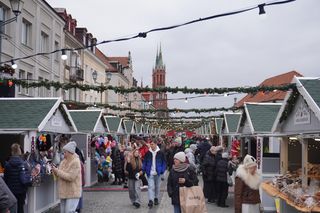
(68, 205)
(176, 209)
(154, 187)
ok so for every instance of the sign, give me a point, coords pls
(259, 152)
(56, 121)
(302, 115)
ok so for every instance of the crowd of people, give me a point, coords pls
(143, 163)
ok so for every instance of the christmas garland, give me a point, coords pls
(7, 69)
(79, 105)
(122, 90)
(289, 105)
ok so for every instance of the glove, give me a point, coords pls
(137, 176)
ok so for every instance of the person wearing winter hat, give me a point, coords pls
(180, 175)
(247, 183)
(69, 179)
(191, 159)
(222, 170)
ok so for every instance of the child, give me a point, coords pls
(134, 169)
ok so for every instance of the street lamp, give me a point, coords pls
(16, 10)
(94, 76)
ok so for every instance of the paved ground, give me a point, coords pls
(118, 202)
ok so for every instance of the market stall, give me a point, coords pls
(34, 123)
(255, 128)
(130, 128)
(230, 126)
(116, 128)
(90, 124)
(298, 126)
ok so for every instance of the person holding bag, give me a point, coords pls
(247, 196)
(180, 176)
(133, 168)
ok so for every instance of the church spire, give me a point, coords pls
(159, 61)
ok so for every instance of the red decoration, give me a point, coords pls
(235, 148)
(10, 83)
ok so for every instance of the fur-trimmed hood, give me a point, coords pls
(253, 181)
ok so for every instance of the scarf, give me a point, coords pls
(181, 167)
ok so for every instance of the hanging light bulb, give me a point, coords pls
(262, 12)
(64, 55)
(121, 103)
(186, 100)
(225, 94)
(13, 65)
(149, 102)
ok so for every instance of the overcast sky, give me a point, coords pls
(230, 51)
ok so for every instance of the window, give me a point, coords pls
(57, 54)
(44, 43)
(29, 91)
(42, 91)
(26, 33)
(22, 76)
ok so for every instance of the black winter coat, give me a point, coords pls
(209, 167)
(173, 183)
(116, 160)
(222, 169)
(202, 150)
(12, 175)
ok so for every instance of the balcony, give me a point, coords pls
(76, 74)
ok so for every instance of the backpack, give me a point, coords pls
(25, 176)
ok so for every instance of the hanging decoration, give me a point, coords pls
(80, 105)
(290, 104)
(7, 69)
(123, 90)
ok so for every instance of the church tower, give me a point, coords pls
(159, 80)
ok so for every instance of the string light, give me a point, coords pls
(186, 100)
(144, 34)
(13, 65)
(262, 12)
(64, 55)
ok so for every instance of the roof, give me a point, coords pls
(272, 96)
(232, 121)
(262, 116)
(124, 61)
(104, 59)
(85, 120)
(113, 123)
(27, 113)
(129, 125)
(309, 89)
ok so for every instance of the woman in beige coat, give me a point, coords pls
(69, 179)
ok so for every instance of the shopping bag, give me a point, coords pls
(192, 200)
(229, 179)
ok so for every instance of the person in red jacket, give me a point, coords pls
(143, 150)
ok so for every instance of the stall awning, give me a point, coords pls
(139, 128)
(232, 121)
(218, 125)
(114, 124)
(38, 114)
(129, 126)
(261, 116)
(88, 120)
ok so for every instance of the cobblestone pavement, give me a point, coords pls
(118, 202)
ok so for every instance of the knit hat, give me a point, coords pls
(187, 150)
(193, 147)
(180, 156)
(225, 155)
(249, 161)
(70, 147)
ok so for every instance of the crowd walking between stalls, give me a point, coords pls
(142, 164)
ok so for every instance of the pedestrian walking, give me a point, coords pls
(8, 202)
(247, 196)
(134, 169)
(191, 159)
(209, 176)
(69, 179)
(12, 176)
(222, 186)
(116, 163)
(180, 175)
(154, 165)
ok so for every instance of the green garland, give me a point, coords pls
(79, 105)
(289, 105)
(7, 69)
(122, 90)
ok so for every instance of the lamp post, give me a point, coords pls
(16, 10)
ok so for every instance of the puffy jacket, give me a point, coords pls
(12, 175)
(173, 183)
(116, 160)
(160, 163)
(222, 169)
(209, 167)
(203, 148)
